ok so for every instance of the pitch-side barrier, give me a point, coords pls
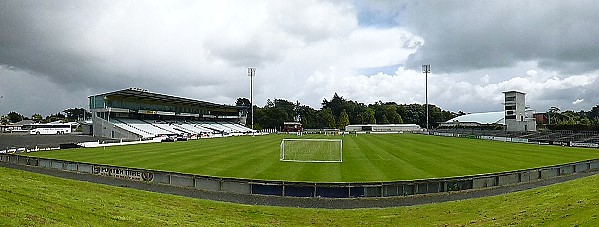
(518, 140)
(304, 189)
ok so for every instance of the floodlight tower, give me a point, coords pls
(426, 69)
(252, 74)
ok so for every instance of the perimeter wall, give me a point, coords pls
(299, 189)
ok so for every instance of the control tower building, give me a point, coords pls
(518, 117)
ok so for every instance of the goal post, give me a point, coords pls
(311, 150)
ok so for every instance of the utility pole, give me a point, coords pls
(252, 74)
(426, 69)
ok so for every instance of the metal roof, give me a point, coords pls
(513, 91)
(481, 118)
(143, 94)
(387, 125)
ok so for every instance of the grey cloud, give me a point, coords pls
(52, 40)
(68, 50)
(462, 36)
(255, 53)
(39, 38)
(58, 50)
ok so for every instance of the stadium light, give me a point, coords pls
(426, 69)
(252, 74)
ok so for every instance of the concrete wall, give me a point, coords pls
(207, 184)
(483, 182)
(508, 179)
(530, 175)
(104, 128)
(162, 178)
(549, 173)
(582, 167)
(566, 169)
(236, 187)
(400, 188)
(182, 180)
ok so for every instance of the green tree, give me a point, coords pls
(369, 117)
(384, 120)
(243, 102)
(594, 113)
(395, 118)
(14, 117)
(585, 121)
(74, 114)
(309, 117)
(4, 120)
(54, 117)
(552, 115)
(328, 118)
(37, 118)
(336, 105)
(343, 120)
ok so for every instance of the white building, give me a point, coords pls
(383, 128)
(476, 120)
(517, 116)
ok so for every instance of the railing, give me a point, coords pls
(303, 189)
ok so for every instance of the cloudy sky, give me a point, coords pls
(54, 54)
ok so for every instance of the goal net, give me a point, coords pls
(312, 150)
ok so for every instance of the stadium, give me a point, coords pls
(352, 113)
(138, 114)
(213, 156)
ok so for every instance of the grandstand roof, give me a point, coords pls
(143, 94)
(481, 118)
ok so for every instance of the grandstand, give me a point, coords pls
(476, 120)
(135, 113)
(516, 116)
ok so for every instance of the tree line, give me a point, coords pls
(570, 120)
(340, 112)
(68, 115)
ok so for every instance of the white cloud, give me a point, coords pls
(303, 50)
(532, 73)
(485, 79)
(577, 101)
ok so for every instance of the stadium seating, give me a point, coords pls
(193, 128)
(148, 129)
(214, 126)
(170, 127)
(237, 127)
(131, 129)
(144, 126)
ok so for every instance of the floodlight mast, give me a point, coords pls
(252, 74)
(426, 69)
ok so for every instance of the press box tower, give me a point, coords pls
(518, 117)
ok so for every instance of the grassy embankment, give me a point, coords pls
(34, 199)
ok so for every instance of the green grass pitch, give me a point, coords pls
(366, 158)
(311, 150)
(29, 199)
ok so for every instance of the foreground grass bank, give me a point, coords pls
(366, 158)
(34, 199)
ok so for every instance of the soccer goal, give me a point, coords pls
(312, 150)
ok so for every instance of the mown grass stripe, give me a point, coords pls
(366, 158)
